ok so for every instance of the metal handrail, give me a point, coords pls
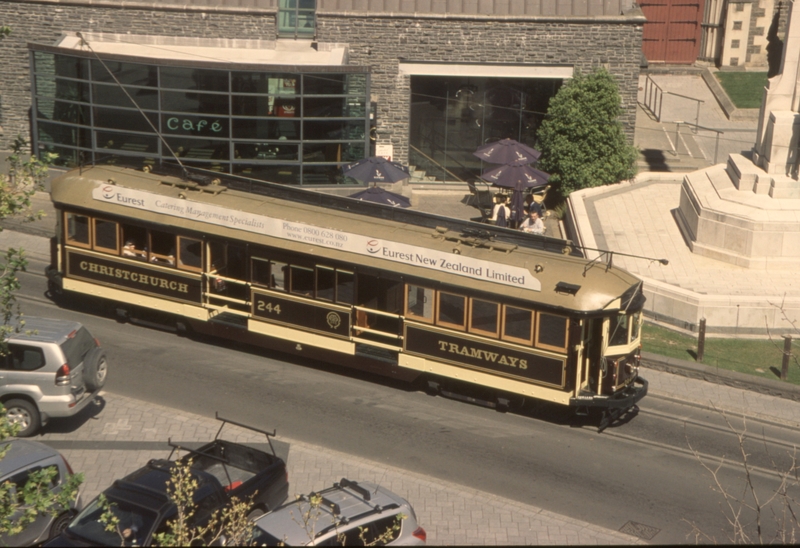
(378, 312)
(653, 97)
(696, 129)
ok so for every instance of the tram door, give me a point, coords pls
(227, 276)
(593, 354)
(379, 305)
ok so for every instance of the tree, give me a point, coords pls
(581, 137)
(19, 508)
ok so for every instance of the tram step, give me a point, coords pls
(233, 320)
(376, 353)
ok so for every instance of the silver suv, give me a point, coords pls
(349, 514)
(54, 368)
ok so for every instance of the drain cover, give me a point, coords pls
(639, 530)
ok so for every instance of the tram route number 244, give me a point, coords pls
(268, 307)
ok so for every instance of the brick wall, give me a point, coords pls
(377, 41)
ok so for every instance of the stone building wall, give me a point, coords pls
(377, 40)
(382, 42)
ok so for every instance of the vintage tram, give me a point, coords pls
(396, 292)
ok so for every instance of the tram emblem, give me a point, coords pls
(108, 192)
(373, 246)
(334, 321)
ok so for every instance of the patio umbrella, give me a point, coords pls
(507, 151)
(376, 170)
(511, 175)
(378, 195)
(518, 205)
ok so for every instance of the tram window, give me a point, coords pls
(162, 248)
(551, 332)
(277, 273)
(636, 326)
(419, 303)
(452, 310)
(485, 317)
(345, 287)
(190, 253)
(78, 229)
(326, 283)
(618, 330)
(105, 236)
(135, 242)
(518, 325)
(302, 280)
(260, 271)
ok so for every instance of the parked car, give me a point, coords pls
(350, 514)
(222, 470)
(23, 458)
(54, 368)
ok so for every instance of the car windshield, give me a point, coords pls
(133, 526)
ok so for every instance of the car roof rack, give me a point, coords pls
(344, 482)
(225, 421)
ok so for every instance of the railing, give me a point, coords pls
(223, 293)
(428, 161)
(383, 328)
(653, 97)
(695, 129)
(654, 100)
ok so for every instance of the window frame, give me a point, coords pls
(439, 322)
(498, 312)
(562, 349)
(509, 338)
(98, 247)
(411, 315)
(76, 243)
(179, 253)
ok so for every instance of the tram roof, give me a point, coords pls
(568, 281)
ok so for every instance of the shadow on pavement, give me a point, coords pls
(68, 425)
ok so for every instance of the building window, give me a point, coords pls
(451, 116)
(296, 128)
(740, 6)
(734, 44)
(737, 25)
(297, 18)
(734, 61)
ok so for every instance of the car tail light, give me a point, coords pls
(96, 342)
(421, 534)
(62, 375)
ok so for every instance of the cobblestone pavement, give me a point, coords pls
(121, 434)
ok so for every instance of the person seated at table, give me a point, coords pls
(501, 212)
(532, 204)
(533, 224)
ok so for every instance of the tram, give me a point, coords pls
(401, 293)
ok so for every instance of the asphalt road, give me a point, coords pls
(642, 471)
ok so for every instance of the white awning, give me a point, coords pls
(260, 52)
(488, 71)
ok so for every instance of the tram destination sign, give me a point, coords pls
(131, 276)
(496, 358)
(315, 235)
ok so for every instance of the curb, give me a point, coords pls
(715, 375)
(724, 101)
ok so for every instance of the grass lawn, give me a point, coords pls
(745, 89)
(761, 358)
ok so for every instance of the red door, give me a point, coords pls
(672, 31)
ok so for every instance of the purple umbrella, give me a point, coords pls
(518, 173)
(376, 170)
(378, 195)
(507, 151)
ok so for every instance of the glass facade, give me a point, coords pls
(296, 18)
(286, 127)
(452, 116)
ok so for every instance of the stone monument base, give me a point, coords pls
(740, 214)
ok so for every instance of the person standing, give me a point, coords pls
(501, 212)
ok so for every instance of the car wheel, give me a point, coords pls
(60, 523)
(95, 369)
(25, 414)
